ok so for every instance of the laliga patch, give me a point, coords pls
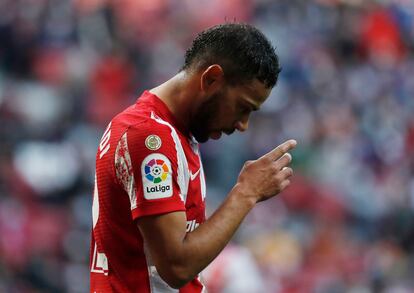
(156, 176)
(153, 142)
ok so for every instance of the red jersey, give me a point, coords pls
(146, 164)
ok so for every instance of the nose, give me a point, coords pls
(242, 125)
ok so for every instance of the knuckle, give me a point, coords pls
(284, 160)
(247, 163)
(279, 152)
(278, 179)
(287, 158)
(266, 159)
(289, 171)
(281, 165)
(286, 183)
(274, 169)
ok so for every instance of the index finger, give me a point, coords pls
(277, 152)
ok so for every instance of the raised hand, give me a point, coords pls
(269, 175)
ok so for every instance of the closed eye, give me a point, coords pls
(246, 109)
(249, 108)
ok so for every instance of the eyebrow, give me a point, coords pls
(251, 104)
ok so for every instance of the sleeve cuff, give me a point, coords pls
(151, 209)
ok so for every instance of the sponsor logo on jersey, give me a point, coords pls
(156, 176)
(156, 170)
(153, 142)
(194, 175)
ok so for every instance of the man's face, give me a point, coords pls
(228, 109)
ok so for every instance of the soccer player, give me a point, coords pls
(149, 228)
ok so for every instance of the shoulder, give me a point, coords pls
(150, 134)
(144, 139)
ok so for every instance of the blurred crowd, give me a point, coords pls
(346, 93)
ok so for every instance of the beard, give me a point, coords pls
(201, 124)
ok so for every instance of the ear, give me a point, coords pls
(212, 78)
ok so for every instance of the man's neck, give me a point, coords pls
(176, 93)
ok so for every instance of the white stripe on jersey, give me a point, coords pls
(194, 146)
(183, 176)
(123, 167)
(95, 204)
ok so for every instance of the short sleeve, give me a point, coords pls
(146, 167)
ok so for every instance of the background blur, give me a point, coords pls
(346, 93)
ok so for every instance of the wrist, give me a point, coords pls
(242, 194)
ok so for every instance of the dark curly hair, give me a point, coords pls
(240, 49)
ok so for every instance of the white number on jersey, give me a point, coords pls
(104, 145)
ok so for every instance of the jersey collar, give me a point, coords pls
(161, 109)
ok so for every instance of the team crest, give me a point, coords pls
(153, 142)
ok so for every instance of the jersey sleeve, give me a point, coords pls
(146, 168)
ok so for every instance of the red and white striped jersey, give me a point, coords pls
(146, 164)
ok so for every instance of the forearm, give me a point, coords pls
(201, 246)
